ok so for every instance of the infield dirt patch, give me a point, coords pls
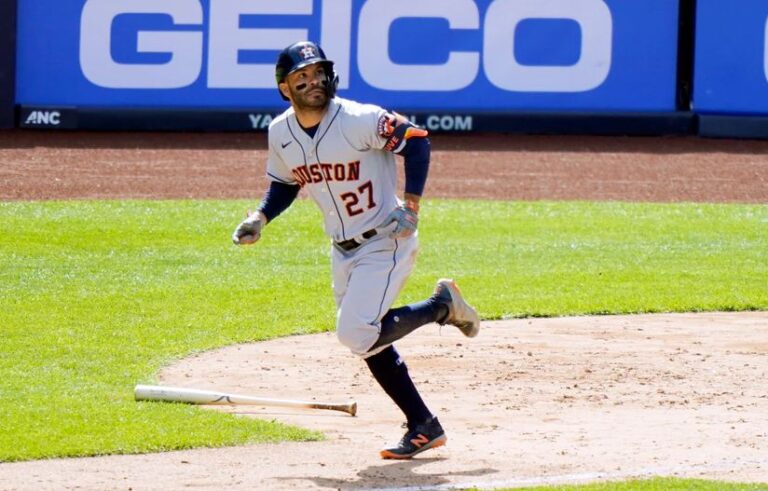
(675, 394)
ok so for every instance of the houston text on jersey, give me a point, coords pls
(306, 174)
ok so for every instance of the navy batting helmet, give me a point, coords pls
(301, 54)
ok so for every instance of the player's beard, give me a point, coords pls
(308, 100)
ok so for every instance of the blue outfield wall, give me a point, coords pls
(731, 60)
(7, 63)
(731, 68)
(560, 66)
(483, 58)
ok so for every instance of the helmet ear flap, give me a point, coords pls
(332, 81)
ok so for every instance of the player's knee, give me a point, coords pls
(354, 332)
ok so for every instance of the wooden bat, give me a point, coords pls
(195, 396)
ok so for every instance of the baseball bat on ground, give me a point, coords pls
(195, 396)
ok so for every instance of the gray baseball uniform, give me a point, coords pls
(346, 170)
(345, 163)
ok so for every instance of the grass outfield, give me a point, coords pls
(658, 484)
(96, 296)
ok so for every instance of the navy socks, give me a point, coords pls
(390, 372)
(401, 321)
(388, 368)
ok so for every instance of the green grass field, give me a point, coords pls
(657, 484)
(96, 296)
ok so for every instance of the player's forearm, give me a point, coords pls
(278, 198)
(416, 154)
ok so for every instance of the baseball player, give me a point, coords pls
(342, 153)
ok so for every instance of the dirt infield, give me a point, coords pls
(64, 165)
(527, 402)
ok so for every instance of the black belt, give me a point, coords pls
(350, 244)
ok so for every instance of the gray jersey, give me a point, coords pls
(344, 167)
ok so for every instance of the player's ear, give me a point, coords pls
(283, 87)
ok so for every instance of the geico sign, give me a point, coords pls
(226, 39)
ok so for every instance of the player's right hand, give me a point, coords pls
(249, 230)
(405, 219)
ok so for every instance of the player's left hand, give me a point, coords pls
(406, 221)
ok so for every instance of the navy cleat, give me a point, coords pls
(417, 439)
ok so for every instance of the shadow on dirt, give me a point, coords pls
(394, 474)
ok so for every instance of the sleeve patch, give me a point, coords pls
(397, 129)
(386, 125)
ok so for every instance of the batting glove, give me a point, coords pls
(406, 219)
(249, 231)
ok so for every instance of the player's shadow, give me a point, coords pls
(394, 473)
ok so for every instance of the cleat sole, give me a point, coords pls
(437, 442)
